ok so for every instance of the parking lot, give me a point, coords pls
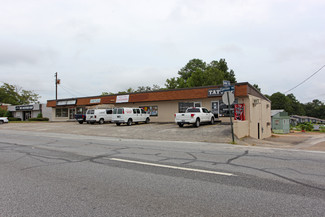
(216, 133)
(153, 131)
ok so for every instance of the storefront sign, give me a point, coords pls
(24, 107)
(66, 102)
(95, 101)
(122, 98)
(214, 92)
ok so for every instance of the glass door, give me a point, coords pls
(215, 108)
(72, 112)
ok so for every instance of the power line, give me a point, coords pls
(305, 79)
(68, 91)
(72, 90)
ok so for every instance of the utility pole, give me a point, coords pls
(56, 86)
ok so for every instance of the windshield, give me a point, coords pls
(193, 110)
(90, 112)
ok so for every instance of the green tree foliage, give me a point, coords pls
(139, 90)
(15, 95)
(280, 101)
(197, 73)
(296, 107)
(290, 104)
(257, 87)
(315, 108)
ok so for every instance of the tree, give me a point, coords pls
(15, 95)
(316, 109)
(257, 87)
(297, 107)
(197, 73)
(280, 101)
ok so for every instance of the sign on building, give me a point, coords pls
(95, 101)
(122, 98)
(24, 107)
(214, 92)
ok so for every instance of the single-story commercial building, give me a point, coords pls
(252, 110)
(24, 112)
(298, 119)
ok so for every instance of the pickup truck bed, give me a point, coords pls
(80, 118)
(194, 116)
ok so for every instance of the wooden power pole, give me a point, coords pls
(56, 86)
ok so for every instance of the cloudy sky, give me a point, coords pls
(110, 45)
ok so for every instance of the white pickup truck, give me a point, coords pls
(3, 120)
(195, 116)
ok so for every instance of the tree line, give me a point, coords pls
(290, 104)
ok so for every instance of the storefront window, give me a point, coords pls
(57, 112)
(80, 110)
(182, 106)
(152, 110)
(224, 110)
(61, 112)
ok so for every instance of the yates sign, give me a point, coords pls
(215, 92)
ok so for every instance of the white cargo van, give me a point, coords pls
(98, 116)
(129, 116)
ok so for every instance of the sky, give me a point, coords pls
(100, 46)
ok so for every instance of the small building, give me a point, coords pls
(297, 119)
(251, 108)
(25, 112)
(280, 121)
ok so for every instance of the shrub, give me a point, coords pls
(40, 115)
(322, 129)
(14, 119)
(38, 119)
(307, 126)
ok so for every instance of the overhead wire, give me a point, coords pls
(68, 91)
(305, 79)
(73, 92)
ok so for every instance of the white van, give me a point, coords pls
(129, 116)
(98, 116)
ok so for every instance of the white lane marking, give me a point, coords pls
(172, 167)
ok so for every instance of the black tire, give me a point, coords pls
(101, 121)
(147, 121)
(1, 121)
(129, 123)
(180, 124)
(212, 121)
(81, 122)
(197, 123)
(118, 124)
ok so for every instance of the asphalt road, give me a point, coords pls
(48, 174)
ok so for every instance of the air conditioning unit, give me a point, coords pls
(256, 101)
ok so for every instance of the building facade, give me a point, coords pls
(24, 112)
(280, 121)
(252, 110)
